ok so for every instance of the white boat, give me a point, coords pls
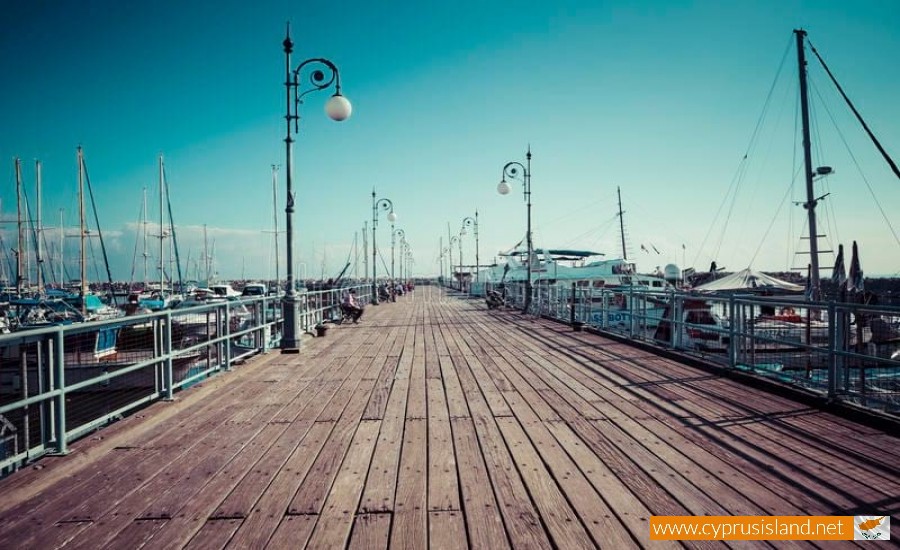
(611, 287)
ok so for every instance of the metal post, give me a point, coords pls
(528, 234)
(59, 425)
(168, 371)
(338, 108)
(290, 341)
(275, 219)
(732, 333)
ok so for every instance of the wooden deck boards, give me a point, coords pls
(435, 423)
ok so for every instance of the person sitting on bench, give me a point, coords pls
(350, 306)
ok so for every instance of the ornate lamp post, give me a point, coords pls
(337, 108)
(473, 223)
(453, 240)
(511, 170)
(394, 234)
(387, 206)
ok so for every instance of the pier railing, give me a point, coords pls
(61, 382)
(842, 351)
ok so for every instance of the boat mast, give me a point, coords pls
(811, 200)
(162, 232)
(38, 249)
(20, 251)
(82, 232)
(62, 245)
(146, 255)
(275, 219)
(622, 224)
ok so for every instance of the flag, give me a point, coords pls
(654, 248)
(838, 273)
(856, 273)
(644, 248)
(682, 246)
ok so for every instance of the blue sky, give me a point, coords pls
(658, 98)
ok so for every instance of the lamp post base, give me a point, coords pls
(290, 337)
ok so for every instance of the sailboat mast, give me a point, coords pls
(82, 231)
(38, 249)
(206, 254)
(811, 200)
(146, 255)
(62, 245)
(21, 230)
(622, 223)
(162, 225)
(275, 220)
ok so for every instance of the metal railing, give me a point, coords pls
(61, 382)
(843, 351)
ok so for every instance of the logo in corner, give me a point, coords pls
(871, 527)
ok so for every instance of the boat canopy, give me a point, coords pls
(557, 253)
(749, 280)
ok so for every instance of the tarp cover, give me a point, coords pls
(748, 279)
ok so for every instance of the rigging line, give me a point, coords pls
(738, 176)
(134, 256)
(172, 231)
(100, 233)
(34, 235)
(762, 241)
(859, 117)
(828, 211)
(861, 173)
(605, 225)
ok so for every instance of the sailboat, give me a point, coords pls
(54, 308)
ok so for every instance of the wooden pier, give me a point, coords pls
(437, 424)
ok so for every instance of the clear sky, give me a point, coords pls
(660, 98)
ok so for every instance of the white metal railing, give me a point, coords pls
(61, 382)
(845, 351)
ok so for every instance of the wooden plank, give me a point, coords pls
(378, 402)
(633, 513)
(135, 534)
(456, 400)
(293, 532)
(443, 485)
(416, 406)
(446, 531)
(266, 515)
(561, 521)
(526, 388)
(381, 484)
(312, 492)
(214, 535)
(410, 519)
(483, 520)
(370, 532)
(194, 512)
(489, 390)
(333, 528)
(242, 498)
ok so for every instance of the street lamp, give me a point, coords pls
(337, 108)
(473, 223)
(387, 206)
(394, 234)
(511, 170)
(452, 240)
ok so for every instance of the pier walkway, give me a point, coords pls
(435, 423)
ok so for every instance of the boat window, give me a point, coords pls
(700, 317)
(626, 280)
(599, 283)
